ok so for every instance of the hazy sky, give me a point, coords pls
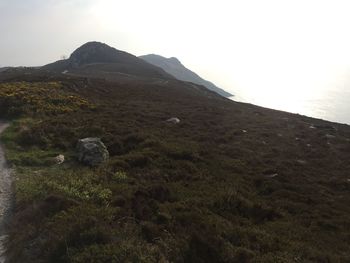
(281, 46)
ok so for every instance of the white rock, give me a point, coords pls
(174, 120)
(272, 175)
(59, 159)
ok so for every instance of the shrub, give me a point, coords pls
(41, 98)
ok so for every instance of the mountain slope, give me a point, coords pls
(174, 67)
(96, 59)
(231, 182)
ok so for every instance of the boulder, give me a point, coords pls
(92, 151)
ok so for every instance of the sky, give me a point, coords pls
(278, 47)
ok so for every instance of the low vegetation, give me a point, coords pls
(38, 98)
(230, 183)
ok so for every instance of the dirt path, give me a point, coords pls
(5, 194)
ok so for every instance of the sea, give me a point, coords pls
(332, 104)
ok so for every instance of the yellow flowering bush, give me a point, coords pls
(19, 98)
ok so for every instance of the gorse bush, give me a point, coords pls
(18, 98)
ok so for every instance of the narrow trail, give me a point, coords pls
(5, 195)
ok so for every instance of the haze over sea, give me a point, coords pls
(330, 101)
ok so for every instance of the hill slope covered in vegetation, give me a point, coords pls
(231, 182)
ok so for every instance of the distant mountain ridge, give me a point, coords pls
(98, 60)
(174, 67)
(94, 58)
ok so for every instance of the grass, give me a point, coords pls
(198, 191)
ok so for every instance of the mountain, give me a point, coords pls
(98, 59)
(174, 67)
(3, 69)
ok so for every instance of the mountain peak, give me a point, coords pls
(174, 60)
(94, 52)
(99, 59)
(174, 67)
(93, 44)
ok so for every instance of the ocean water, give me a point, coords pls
(332, 104)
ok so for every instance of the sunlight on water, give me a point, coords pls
(325, 95)
(332, 106)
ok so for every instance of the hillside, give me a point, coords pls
(174, 67)
(232, 182)
(97, 59)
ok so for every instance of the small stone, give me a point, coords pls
(59, 159)
(244, 131)
(272, 175)
(173, 120)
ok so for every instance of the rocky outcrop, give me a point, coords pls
(92, 151)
